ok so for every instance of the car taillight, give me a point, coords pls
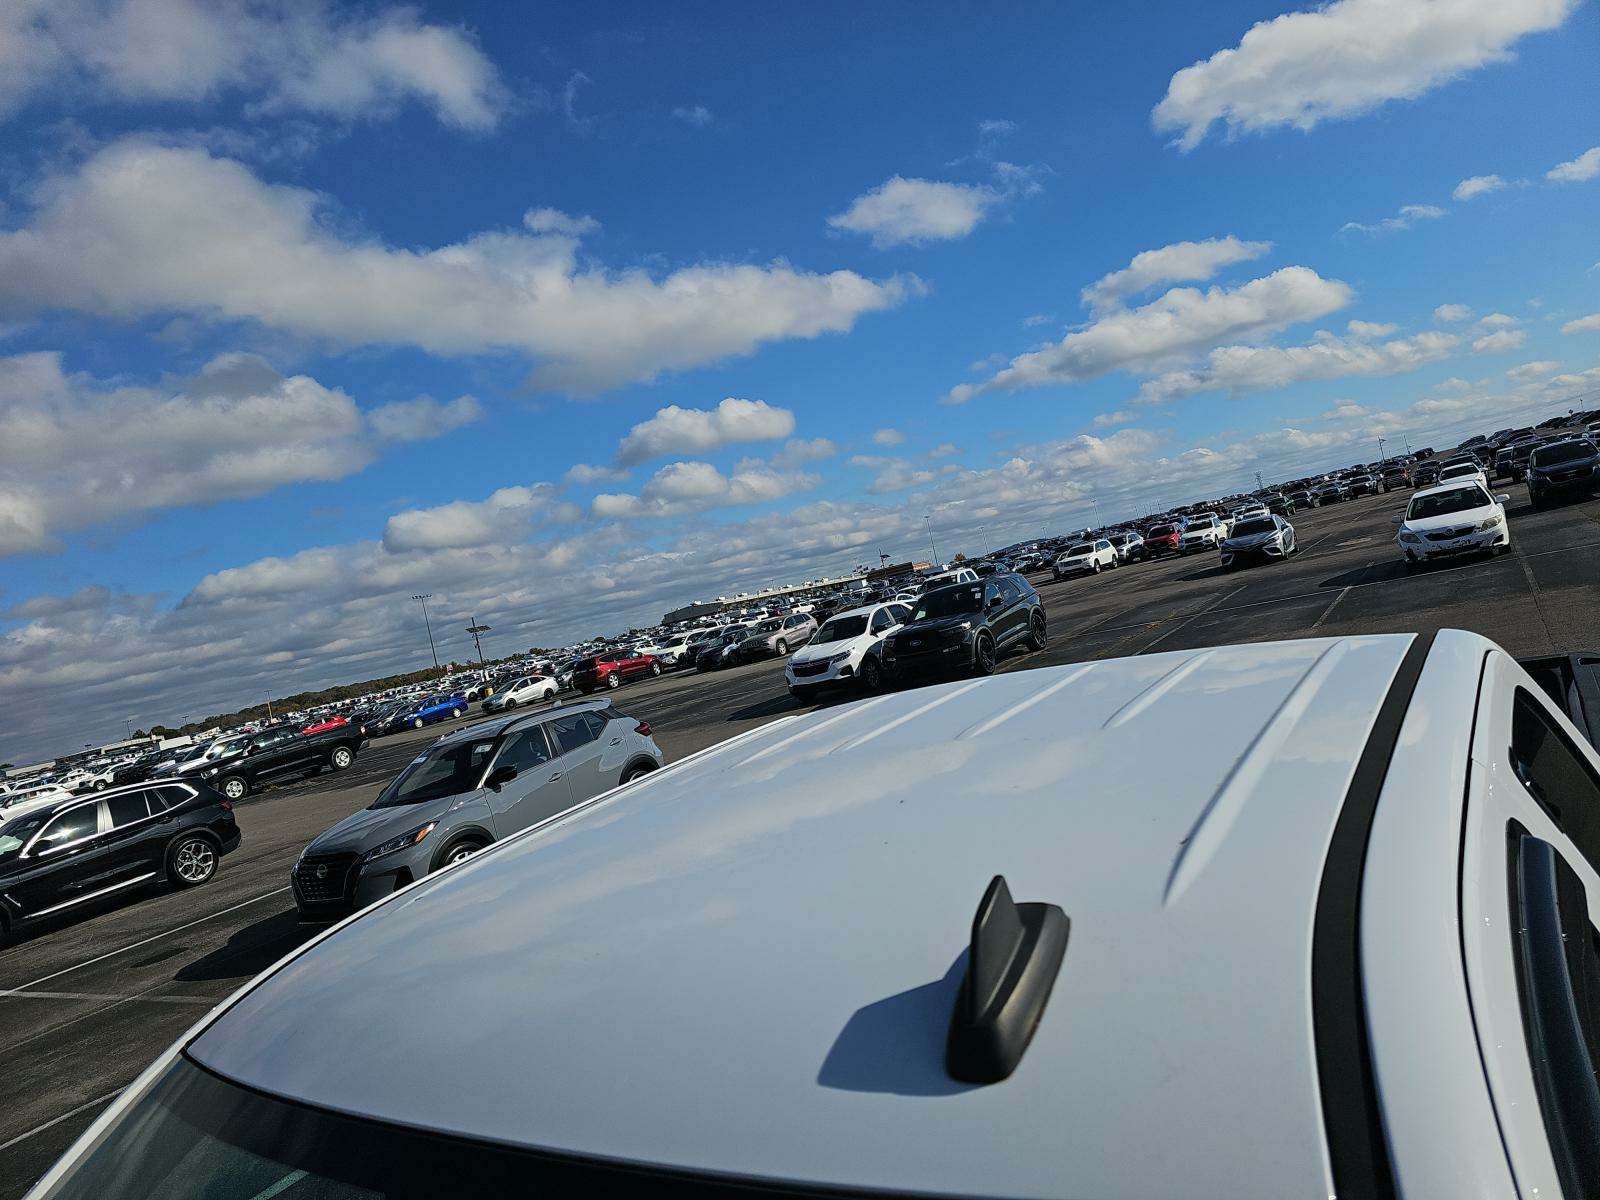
(642, 728)
(227, 805)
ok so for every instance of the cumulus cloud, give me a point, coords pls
(697, 115)
(1499, 343)
(1530, 371)
(142, 228)
(76, 451)
(796, 452)
(1408, 216)
(687, 487)
(1180, 262)
(587, 473)
(1497, 320)
(1451, 313)
(1586, 166)
(1477, 185)
(1180, 322)
(944, 450)
(1370, 329)
(505, 516)
(1589, 324)
(1106, 420)
(1241, 369)
(290, 58)
(888, 437)
(675, 430)
(903, 211)
(892, 474)
(1342, 60)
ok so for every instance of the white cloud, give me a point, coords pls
(1498, 343)
(1342, 60)
(697, 115)
(423, 418)
(1530, 371)
(1036, 319)
(1450, 313)
(1180, 262)
(688, 487)
(796, 452)
(944, 450)
(1180, 322)
(297, 58)
(1106, 420)
(503, 517)
(1239, 369)
(1586, 166)
(587, 473)
(1477, 185)
(76, 451)
(143, 228)
(892, 474)
(1589, 324)
(553, 220)
(675, 430)
(888, 437)
(1370, 329)
(996, 127)
(903, 211)
(1497, 320)
(1408, 216)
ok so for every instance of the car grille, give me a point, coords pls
(802, 670)
(322, 878)
(1444, 535)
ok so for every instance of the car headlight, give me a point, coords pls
(839, 658)
(1492, 523)
(1408, 536)
(405, 841)
(211, 773)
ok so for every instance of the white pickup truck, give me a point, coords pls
(970, 940)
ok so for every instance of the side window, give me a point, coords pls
(596, 722)
(881, 620)
(76, 823)
(1010, 591)
(127, 808)
(900, 613)
(164, 798)
(1556, 776)
(991, 593)
(569, 733)
(525, 749)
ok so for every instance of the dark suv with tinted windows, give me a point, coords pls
(57, 856)
(283, 753)
(964, 628)
(1571, 467)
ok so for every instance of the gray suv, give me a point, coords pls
(472, 787)
(777, 636)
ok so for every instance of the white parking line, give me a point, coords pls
(145, 942)
(20, 994)
(71, 1112)
(1317, 624)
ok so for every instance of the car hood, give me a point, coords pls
(1471, 516)
(365, 828)
(1250, 540)
(1570, 464)
(816, 651)
(935, 625)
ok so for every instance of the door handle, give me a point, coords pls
(616, 741)
(555, 775)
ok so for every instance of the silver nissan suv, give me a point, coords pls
(469, 789)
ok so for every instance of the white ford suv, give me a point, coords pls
(845, 651)
(1341, 945)
(1203, 532)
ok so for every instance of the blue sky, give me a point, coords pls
(569, 316)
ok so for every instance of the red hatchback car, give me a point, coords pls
(334, 722)
(612, 669)
(1162, 539)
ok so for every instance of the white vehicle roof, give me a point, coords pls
(746, 963)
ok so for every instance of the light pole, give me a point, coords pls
(1381, 456)
(475, 630)
(427, 624)
(928, 521)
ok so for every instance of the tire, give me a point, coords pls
(234, 787)
(1096, 569)
(635, 772)
(612, 681)
(416, 722)
(871, 674)
(984, 658)
(507, 705)
(1038, 636)
(782, 647)
(191, 861)
(655, 668)
(341, 758)
(99, 785)
(459, 852)
(455, 712)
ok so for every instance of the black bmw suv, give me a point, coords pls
(964, 628)
(66, 853)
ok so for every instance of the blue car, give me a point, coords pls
(436, 708)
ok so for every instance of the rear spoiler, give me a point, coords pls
(1573, 682)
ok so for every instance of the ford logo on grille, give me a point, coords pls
(914, 642)
(321, 872)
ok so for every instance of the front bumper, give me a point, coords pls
(934, 660)
(800, 676)
(1236, 556)
(1078, 566)
(1582, 480)
(1470, 543)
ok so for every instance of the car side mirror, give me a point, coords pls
(1398, 518)
(1502, 498)
(499, 777)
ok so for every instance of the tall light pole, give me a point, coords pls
(928, 520)
(427, 624)
(475, 630)
(1381, 456)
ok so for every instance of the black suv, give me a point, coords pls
(1556, 467)
(61, 855)
(280, 753)
(964, 628)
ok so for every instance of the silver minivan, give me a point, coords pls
(467, 790)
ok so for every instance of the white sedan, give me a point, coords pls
(527, 690)
(845, 651)
(1453, 518)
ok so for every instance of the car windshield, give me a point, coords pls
(1080, 548)
(1549, 456)
(949, 602)
(1455, 470)
(1252, 526)
(1161, 531)
(768, 627)
(842, 629)
(1441, 504)
(438, 771)
(16, 832)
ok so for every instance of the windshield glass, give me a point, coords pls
(842, 629)
(949, 602)
(1442, 504)
(1547, 456)
(1080, 548)
(1161, 531)
(439, 771)
(1456, 470)
(15, 833)
(1252, 526)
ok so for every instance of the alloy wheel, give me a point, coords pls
(194, 860)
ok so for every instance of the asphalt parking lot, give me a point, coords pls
(85, 1005)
